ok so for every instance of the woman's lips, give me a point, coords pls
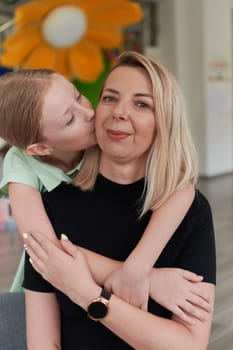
(117, 134)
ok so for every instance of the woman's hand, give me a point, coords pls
(65, 268)
(180, 292)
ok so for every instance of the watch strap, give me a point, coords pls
(105, 294)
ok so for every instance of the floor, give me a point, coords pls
(219, 191)
(220, 194)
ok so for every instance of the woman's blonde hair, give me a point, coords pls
(21, 99)
(172, 161)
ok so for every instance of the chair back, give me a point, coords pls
(12, 321)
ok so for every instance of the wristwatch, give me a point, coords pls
(98, 308)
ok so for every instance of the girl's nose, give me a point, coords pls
(89, 114)
(86, 113)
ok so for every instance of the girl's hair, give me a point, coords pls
(172, 161)
(21, 98)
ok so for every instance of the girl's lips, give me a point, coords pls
(117, 134)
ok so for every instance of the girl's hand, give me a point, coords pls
(65, 268)
(128, 285)
(180, 292)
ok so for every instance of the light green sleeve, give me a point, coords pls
(16, 168)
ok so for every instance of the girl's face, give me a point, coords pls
(125, 122)
(67, 118)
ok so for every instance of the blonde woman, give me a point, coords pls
(145, 152)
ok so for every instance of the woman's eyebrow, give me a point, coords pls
(142, 94)
(138, 94)
(111, 90)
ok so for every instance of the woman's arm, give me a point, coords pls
(28, 210)
(42, 321)
(158, 333)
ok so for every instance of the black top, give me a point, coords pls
(105, 220)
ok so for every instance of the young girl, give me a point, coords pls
(50, 124)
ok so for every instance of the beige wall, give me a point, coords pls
(195, 36)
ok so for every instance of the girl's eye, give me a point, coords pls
(70, 121)
(78, 97)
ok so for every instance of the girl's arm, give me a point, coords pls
(131, 281)
(158, 333)
(42, 321)
(28, 210)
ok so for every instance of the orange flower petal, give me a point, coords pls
(35, 11)
(30, 12)
(18, 45)
(98, 6)
(121, 15)
(106, 39)
(44, 56)
(86, 61)
(61, 65)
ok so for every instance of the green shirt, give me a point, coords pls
(19, 167)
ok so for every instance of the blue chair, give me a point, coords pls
(12, 321)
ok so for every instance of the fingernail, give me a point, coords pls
(25, 235)
(25, 246)
(30, 260)
(64, 237)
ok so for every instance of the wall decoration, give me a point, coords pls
(219, 69)
(68, 36)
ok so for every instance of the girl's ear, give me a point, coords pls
(39, 149)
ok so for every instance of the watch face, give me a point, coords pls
(97, 309)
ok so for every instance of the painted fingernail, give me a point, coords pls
(64, 237)
(30, 260)
(25, 246)
(25, 235)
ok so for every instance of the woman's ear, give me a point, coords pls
(39, 149)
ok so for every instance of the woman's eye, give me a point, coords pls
(70, 121)
(107, 98)
(141, 104)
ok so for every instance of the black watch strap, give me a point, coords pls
(105, 294)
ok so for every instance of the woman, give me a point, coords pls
(145, 145)
(50, 123)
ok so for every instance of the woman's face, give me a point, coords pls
(67, 117)
(125, 122)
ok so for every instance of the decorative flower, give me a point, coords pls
(68, 36)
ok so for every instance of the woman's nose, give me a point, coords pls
(121, 113)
